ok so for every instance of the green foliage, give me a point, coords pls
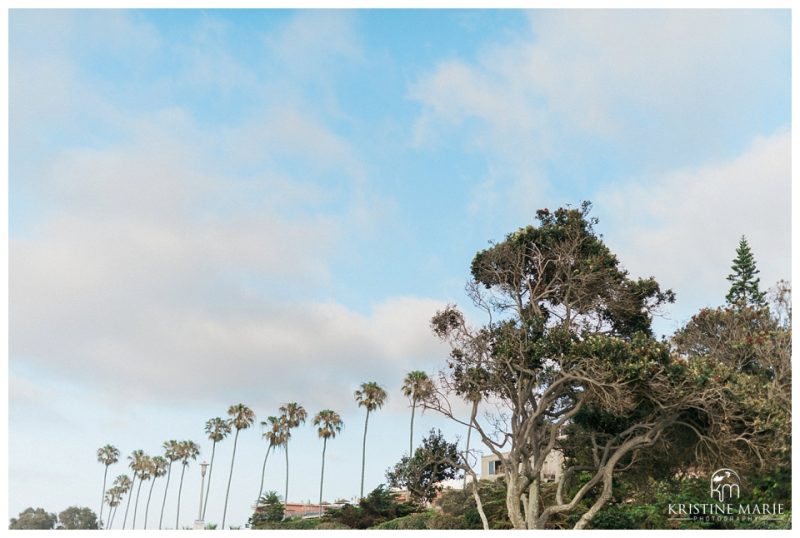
(416, 521)
(460, 504)
(744, 282)
(76, 517)
(648, 507)
(432, 463)
(331, 525)
(268, 510)
(747, 350)
(445, 522)
(295, 523)
(33, 519)
(379, 506)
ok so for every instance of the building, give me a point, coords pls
(553, 468)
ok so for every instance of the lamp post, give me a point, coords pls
(199, 523)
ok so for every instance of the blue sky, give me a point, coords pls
(212, 206)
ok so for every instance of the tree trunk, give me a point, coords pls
(147, 506)
(469, 432)
(111, 519)
(513, 496)
(136, 503)
(411, 436)
(208, 486)
(230, 476)
(363, 454)
(164, 502)
(102, 500)
(532, 506)
(128, 504)
(286, 491)
(322, 474)
(180, 489)
(478, 503)
(263, 470)
(608, 478)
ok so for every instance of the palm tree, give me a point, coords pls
(293, 414)
(158, 468)
(275, 436)
(141, 463)
(107, 455)
(217, 429)
(470, 389)
(188, 450)
(112, 498)
(329, 424)
(242, 417)
(416, 386)
(122, 484)
(372, 396)
(172, 454)
(134, 460)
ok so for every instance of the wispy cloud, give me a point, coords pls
(684, 226)
(651, 88)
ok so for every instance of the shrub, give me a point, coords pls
(444, 522)
(331, 525)
(377, 507)
(412, 521)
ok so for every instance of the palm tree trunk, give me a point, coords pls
(208, 487)
(180, 488)
(103, 499)
(469, 432)
(230, 476)
(322, 474)
(263, 470)
(113, 512)
(147, 506)
(128, 504)
(286, 491)
(411, 438)
(364, 454)
(136, 504)
(164, 502)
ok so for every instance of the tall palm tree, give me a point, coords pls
(416, 386)
(470, 389)
(107, 455)
(275, 436)
(123, 484)
(172, 454)
(134, 461)
(242, 417)
(158, 468)
(142, 463)
(293, 414)
(328, 423)
(217, 429)
(372, 396)
(188, 450)
(112, 499)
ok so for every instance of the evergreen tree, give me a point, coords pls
(744, 282)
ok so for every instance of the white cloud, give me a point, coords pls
(657, 87)
(149, 274)
(683, 227)
(312, 37)
(585, 65)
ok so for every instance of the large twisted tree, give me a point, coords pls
(567, 361)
